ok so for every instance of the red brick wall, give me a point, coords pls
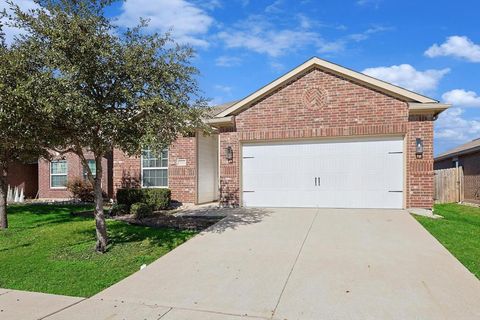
(349, 110)
(181, 179)
(420, 174)
(24, 176)
(75, 170)
(229, 170)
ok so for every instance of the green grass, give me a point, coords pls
(459, 232)
(47, 250)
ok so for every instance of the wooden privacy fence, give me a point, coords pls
(449, 185)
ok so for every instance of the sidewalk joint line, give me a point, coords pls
(243, 315)
(294, 263)
(163, 315)
(62, 309)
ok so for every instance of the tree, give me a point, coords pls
(22, 135)
(117, 89)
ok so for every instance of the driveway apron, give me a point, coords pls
(297, 264)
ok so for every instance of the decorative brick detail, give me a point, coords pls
(353, 110)
(315, 98)
(181, 179)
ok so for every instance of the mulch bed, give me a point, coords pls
(197, 223)
(161, 220)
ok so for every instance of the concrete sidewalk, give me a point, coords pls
(23, 305)
(296, 264)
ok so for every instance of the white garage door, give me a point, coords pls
(329, 173)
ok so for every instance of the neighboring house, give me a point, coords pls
(25, 177)
(319, 136)
(466, 156)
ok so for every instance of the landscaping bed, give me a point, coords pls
(196, 223)
(458, 231)
(47, 249)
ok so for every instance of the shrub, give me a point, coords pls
(157, 199)
(118, 209)
(82, 190)
(129, 196)
(140, 210)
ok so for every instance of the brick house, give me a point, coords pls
(319, 136)
(466, 156)
(25, 177)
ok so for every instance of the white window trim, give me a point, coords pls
(85, 174)
(58, 174)
(153, 168)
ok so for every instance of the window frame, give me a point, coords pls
(58, 174)
(142, 168)
(94, 173)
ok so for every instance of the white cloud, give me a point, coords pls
(216, 101)
(406, 76)
(304, 21)
(267, 40)
(223, 88)
(340, 44)
(274, 7)
(257, 34)
(12, 32)
(188, 22)
(462, 98)
(456, 46)
(367, 33)
(277, 66)
(452, 126)
(227, 61)
(210, 4)
(282, 33)
(373, 3)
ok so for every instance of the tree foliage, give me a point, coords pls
(24, 122)
(114, 88)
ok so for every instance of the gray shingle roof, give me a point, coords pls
(464, 148)
(217, 109)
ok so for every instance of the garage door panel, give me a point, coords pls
(350, 174)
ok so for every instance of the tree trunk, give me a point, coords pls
(100, 224)
(3, 196)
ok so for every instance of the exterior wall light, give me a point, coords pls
(229, 153)
(419, 147)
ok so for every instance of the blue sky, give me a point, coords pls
(432, 47)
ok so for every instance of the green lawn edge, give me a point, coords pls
(458, 232)
(48, 250)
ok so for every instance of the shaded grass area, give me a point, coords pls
(459, 232)
(47, 250)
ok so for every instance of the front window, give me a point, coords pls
(93, 168)
(58, 174)
(154, 169)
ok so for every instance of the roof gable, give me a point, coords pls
(315, 62)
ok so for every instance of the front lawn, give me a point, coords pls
(459, 232)
(47, 250)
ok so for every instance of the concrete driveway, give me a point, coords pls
(297, 264)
